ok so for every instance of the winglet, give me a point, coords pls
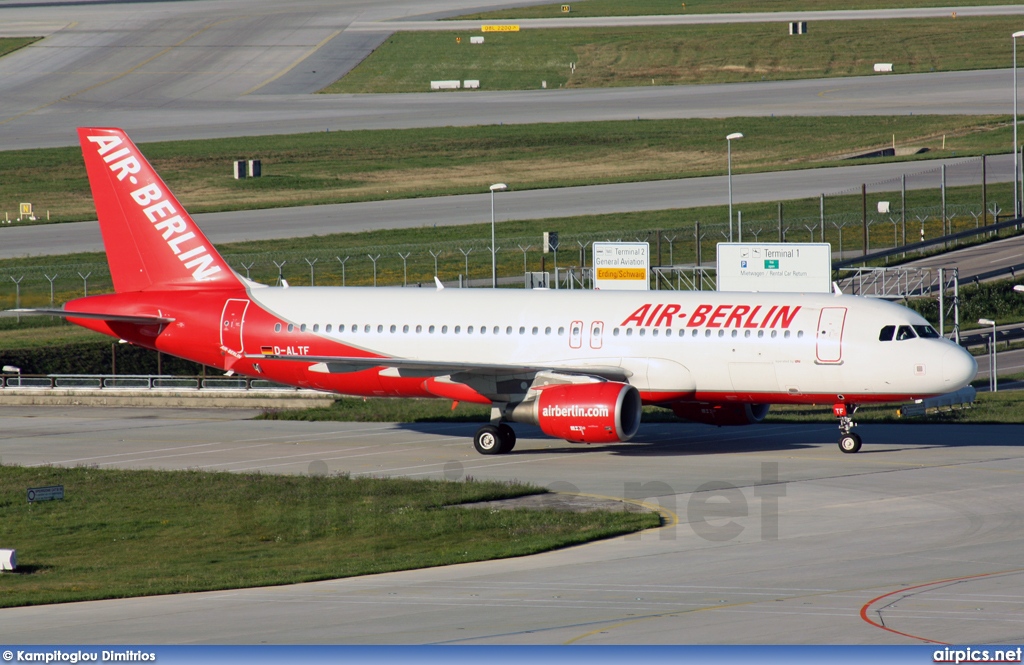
(150, 240)
(440, 286)
(836, 290)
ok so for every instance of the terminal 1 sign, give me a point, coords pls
(775, 267)
(622, 266)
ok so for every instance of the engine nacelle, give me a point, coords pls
(604, 412)
(721, 414)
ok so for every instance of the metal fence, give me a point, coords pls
(138, 382)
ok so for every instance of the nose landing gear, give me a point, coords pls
(849, 442)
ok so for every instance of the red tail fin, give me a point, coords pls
(150, 240)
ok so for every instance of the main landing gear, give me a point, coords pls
(848, 441)
(494, 439)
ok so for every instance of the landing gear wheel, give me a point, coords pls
(849, 442)
(488, 440)
(508, 438)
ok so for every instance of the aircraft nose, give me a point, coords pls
(958, 368)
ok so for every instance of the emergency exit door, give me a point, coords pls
(830, 334)
(231, 321)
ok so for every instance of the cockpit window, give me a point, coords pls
(926, 332)
(905, 332)
(886, 334)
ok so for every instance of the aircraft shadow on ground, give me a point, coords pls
(682, 439)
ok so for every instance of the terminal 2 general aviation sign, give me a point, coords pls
(775, 267)
(622, 266)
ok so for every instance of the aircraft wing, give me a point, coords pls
(121, 318)
(405, 367)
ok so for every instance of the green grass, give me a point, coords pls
(120, 534)
(336, 167)
(1002, 408)
(11, 44)
(584, 8)
(673, 55)
(677, 245)
(387, 410)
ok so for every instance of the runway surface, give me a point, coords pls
(519, 205)
(920, 532)
(212, 68)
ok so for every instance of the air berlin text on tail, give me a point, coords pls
(158, 209)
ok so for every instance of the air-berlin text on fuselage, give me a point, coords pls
(158, 209)
(714, 316)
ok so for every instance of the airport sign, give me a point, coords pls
(622, 266)
(786, 267)
(50, 493)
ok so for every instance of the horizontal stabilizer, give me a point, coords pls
(102, 316)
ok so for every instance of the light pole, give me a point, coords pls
(728, 142)
(497, 187)
(993, 367)
(1016, 168)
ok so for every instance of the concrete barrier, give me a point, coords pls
(883, 66)
(445, 85)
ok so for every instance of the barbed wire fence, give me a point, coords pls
(923, 204)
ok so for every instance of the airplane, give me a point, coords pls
(580, 365)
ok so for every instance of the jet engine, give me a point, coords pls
(603, 412)
(721, 414)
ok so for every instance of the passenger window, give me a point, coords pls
(328, 328)
(735, 333)
(469, 330)
(366, 328)
(799, 334)
(668, 332)
(444, 330)
(721, 333)
(547, 331)
(522, 330)
(629, 332)
(291, 327)
(458, 329)
(694, 333)
(483, 330)
(341, 327)
(561, 330)
(643, 332)
(508, 331)
(392, 329)
(535, 330)
(430, 330)
(316, 327)
(926, 332)
(886, 334)
(746, 333)
(380, 328)
(707, 332)
(497, 330)
(615, 332)
(760, 333)
(904, 332)
(419, 329)
(654, 332)
(302, 328)
(277, 327)
(786, 335)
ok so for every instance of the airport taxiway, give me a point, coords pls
(821, 548)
